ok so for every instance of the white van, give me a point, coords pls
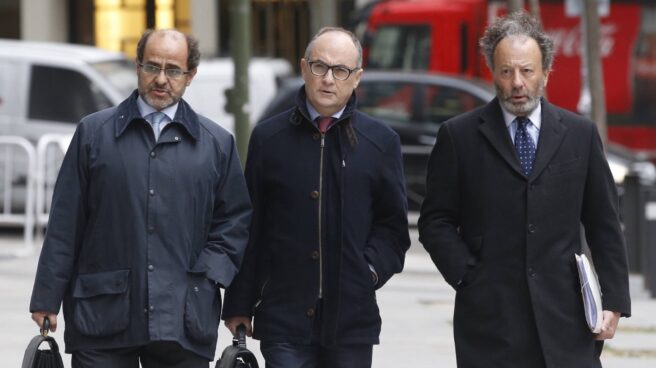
(206, 94)
(48, 87)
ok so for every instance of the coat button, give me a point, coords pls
(314, 194)
(145, 310)
(151, 268)
(151, 192)
(195, 289)
(310, 312)
(153, 154)
(315, 255)
(531, 228)
(531, 272)
(151, 308)
(177, 139)
(316, 136)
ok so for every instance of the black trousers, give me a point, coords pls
(159, 354)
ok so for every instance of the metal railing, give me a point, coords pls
(50, 150)
(28, 176)
(13, 179)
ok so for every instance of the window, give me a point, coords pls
(386, 100)
(119, 73)
(63, 95)
(400, 47)
(445, 102)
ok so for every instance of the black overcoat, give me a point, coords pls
(325, 208)
(506, 242)
(142, 233)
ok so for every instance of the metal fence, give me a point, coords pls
(27, 177)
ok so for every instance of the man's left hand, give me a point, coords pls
(609, 325)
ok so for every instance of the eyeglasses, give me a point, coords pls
(340, 72)
(155, 70)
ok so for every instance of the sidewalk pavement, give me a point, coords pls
(416, 308)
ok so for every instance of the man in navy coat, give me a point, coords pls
(149, 218)
(509, 185)
(329, 222)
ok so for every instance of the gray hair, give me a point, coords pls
(193, 52)
(518, 23)
(356, 42)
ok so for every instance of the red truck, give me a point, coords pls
(442, 36)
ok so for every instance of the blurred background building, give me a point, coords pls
(280, 28)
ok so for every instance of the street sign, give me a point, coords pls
(573, 8)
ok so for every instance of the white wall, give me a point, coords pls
(204, 25)
(44, 20)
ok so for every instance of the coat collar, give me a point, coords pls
(128, 112)
(552, 132)
(301, 113)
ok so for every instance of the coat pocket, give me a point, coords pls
(102, 303)
(202, 308)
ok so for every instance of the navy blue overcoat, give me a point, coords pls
(326, 207)
(142, 232)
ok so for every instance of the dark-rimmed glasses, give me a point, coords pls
(340, 72)
(155, 70)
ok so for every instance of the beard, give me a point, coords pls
(525, 108)
(158, 103)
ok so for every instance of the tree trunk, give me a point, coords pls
(515, 5)
(595, 74)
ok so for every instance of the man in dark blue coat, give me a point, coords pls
(330, 219)
(149, 218)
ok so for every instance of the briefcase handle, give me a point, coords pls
(46, 327)
(240, 339)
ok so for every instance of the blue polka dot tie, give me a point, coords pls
(524, 145)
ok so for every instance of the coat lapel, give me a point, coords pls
(494, 129)
(552, 132)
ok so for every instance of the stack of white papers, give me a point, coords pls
(591, 293)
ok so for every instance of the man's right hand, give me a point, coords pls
(233, 322)
(39, 316)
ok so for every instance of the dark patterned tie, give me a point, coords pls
(524, 145)
(324, 123)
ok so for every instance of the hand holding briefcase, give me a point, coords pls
(37, 358)
(237, 355)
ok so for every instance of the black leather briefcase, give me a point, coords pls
(42, 358)
(237, 355)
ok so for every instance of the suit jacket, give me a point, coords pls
(506, 242)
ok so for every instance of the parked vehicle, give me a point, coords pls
(206, 94)
(413, 104)
(441, 36)
(47, 88)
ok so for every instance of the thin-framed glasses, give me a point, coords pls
(340, 72)
(155, 70)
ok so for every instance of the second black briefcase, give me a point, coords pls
(237, 355)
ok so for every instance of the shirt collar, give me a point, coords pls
(145, 109)
(535, 116)
(128, 111)
(314, 114)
